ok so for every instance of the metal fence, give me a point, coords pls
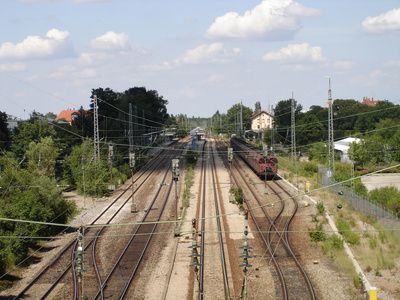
(386, 218)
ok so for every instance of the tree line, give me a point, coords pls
(41, 157)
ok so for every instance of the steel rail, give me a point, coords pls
(103, 285)
(67, 247)
(221, 242)
(259, 229)
(203, 225)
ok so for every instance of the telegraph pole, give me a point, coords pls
(175, 176)
(241, 119)
(132, 166)
(130, 128)
(245, 255)
(331, 145)
(293, 131)
(96, 129)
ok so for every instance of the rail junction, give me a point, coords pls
(232, 252)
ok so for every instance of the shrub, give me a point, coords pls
(320, 207)
(309, 168)
(317, 234)
(336, 242)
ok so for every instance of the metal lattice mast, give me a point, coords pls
(96, 129)
(331, 145)
(241, 119)
(293, 133)
(130, 128)
(273, 130)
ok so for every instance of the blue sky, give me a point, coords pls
(200, 55)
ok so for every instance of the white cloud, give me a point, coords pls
(213, 53)
(384, 23)
(296, 52)
(272, 19)
(392, 63)
(111, 41)
(343, 65)
(12, 67)
(156, 67)
(378, 74)
(94, 58)
(55, 41)
(75, 1)
(216, 78)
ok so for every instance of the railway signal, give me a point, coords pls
(79, 269)
(196, 264)
(175, 169)
(230, 154)
(175, 176)
(132, 166)
(245, 255)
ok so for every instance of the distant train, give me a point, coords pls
(263, 166)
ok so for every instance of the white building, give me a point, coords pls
(261, 120)
(343, 146)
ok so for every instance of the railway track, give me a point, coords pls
(273, 231)
(215, 283)
(47, 283)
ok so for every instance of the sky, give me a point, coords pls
(203, 56)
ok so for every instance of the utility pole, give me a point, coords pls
(195, 254)
(230, 159)
(132, 166)
(79, 269)
(96, 129)
(241, 120)
(272, 130)
(293, 132)
(130, 128)
(136, 124)
(331, 145)
(245, 255)
(175, 176)
(110, 155)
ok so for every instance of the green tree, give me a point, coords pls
(257, 107)
(309, 130)
(28, 132)
(283, 119)
(42, 157)
(5, 135)
(88, 175)
(233, 116)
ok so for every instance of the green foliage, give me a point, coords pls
(42, 157)
(238, 195)
(317, 234)
(320, 207)
(309, 130)
(191, 157)
(336, 242)
(5, 134)
(308, 169)
(382, 236)
(373, 243)
(28, 132)
(28, 197)
(317, 152)
(358, 282)
(344, 229)
(388, 197)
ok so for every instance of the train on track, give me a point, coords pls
(263, 166)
